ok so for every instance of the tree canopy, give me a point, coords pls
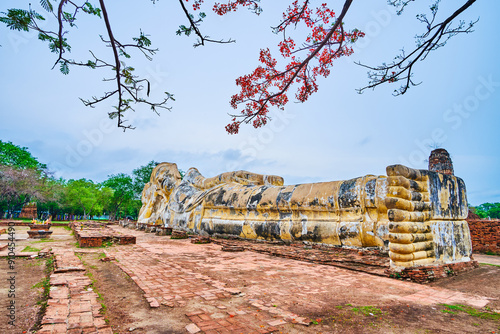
(18, 157)
(24, 179)
(328, 38)
(488, 210)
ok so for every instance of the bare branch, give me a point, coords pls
(401, 68)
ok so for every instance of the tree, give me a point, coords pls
(53, 197)
(86, 197)
(141, 177)
(18, 157)
(19, 187)
(267, 86)
(124, 199)
(488, 210)
(22, 177)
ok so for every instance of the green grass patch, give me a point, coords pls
(107, 244)
(367, 310)
(103, 309)
(492, 253)
(490, 264)
(45, 284)
(30, 249)
(471, 311)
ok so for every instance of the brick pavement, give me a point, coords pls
(369, 261)
(166, 282)
(72, 306)
(270, 291)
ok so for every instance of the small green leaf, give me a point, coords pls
(64, 67)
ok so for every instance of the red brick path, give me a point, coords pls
(72, 306)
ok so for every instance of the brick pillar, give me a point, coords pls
(29, 211)
(440, 161)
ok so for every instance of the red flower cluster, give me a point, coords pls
(267, 86)
(231, 6)
(196, 4)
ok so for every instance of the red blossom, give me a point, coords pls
(231, 6)
(268, 86)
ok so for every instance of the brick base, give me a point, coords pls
(39, 234)
(90, 234)
(90, 241)
(126, 240)
(427, 274)
(179, 235)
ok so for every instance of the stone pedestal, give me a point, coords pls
(36, 227)
(39, 234)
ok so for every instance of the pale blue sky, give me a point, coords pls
(337, 134)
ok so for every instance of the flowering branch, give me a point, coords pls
(323, 45)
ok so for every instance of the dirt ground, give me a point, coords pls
(355, 309)
(29, 274)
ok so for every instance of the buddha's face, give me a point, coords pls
(166, 175)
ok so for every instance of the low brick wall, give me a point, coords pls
(485, 235)
(91, 234)
(427, 274)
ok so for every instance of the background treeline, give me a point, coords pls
(23, 179)
(487, 210)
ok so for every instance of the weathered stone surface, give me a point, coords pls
(417, 215)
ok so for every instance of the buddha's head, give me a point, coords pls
(166, 176)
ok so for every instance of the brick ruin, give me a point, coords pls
(29, 211)
(39, 231)
(440, 161)
(91, 234)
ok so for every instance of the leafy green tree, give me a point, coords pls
(141, 176)
(488, 210)
(52, 204)
(123, 200)
(22, 178)
(18, 157)
(86, 197)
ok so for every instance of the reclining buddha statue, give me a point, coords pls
(418, 216)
